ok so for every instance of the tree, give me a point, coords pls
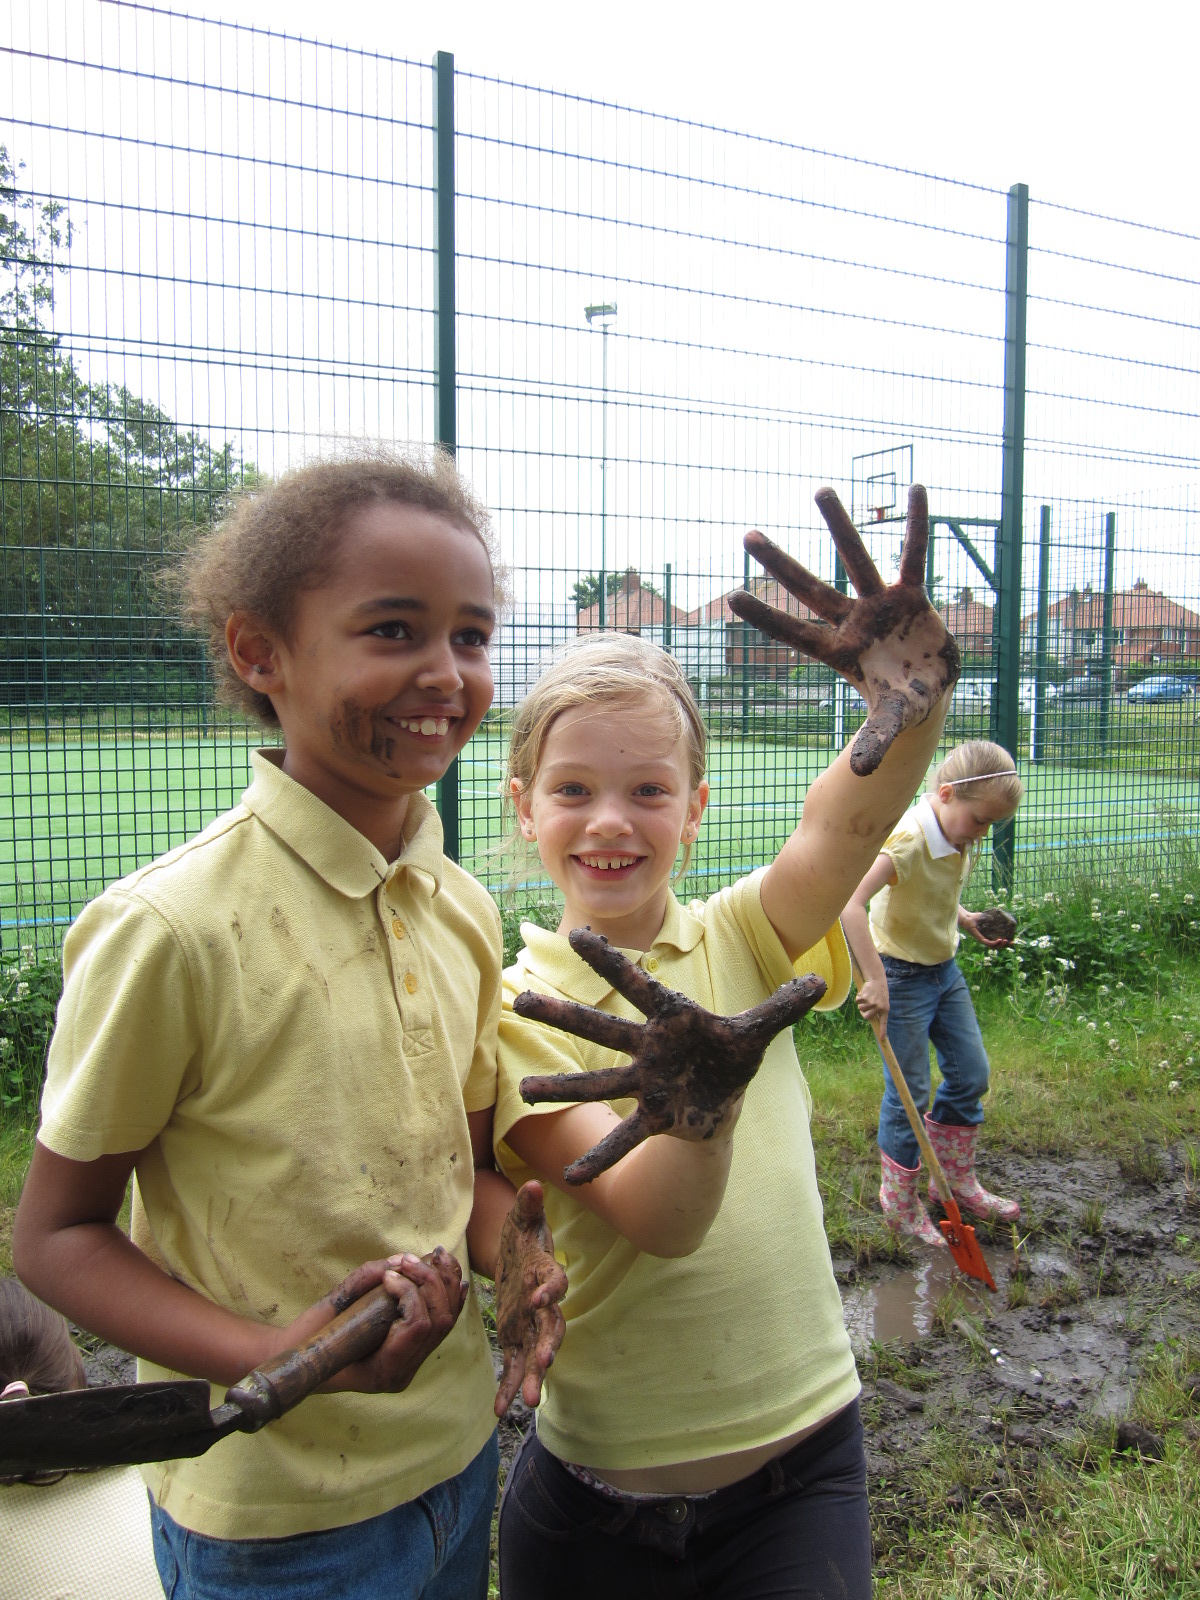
(97, 485)
(587, 591)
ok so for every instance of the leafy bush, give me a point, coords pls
(1089, 934)
(29, 992)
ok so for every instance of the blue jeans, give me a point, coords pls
(924, 1004)
(434, 1548)
(798, 1527)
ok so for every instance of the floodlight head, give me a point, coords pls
(601, 316)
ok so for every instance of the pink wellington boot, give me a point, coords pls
(955, 1149)
(901, 1201)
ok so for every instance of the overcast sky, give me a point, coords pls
(1090, 106)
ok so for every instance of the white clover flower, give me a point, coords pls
(1097, 916)
(1095, 904)
(1121, 913)
(1065, 963)
(5, 1044)
(1041, 943)
(22, 991)
(1189, 899)
(1114, 1044)
(1050, 899)
(1176, 1019)
(1154, 897)
(1091, 1027)
(1080, 1019)
(1135, 927)
(1164, 1066)
(1120, 983)
(1189, 1061)
(1103, 989)
(1174, 1086)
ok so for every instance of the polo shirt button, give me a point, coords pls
(651, 963)
(675, 1510)
(398, 928)
(410, 982)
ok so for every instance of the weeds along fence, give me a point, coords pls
(224, 250)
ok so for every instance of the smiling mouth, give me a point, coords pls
(425, 727)
(607, 863)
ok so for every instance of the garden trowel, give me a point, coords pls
(86, 1428)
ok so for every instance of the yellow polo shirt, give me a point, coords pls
(292, 1030)
(741, 1343)
(916, 918)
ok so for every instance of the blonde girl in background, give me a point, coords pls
(904, 922)
(700, 1432)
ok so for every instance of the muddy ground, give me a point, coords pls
(1048, 1362)
(997, 1382)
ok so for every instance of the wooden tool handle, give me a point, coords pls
(286, 1379)
(879, 1028)
(914, 1117)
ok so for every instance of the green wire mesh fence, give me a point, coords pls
(224, 250)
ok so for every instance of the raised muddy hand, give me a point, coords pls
(688, 1068)
(889, 643)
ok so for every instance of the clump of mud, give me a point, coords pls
(998, 1383)
(996, 923)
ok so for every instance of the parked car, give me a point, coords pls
(1027, 693)
(1082, 688)
(1161, 686)
(973, 694)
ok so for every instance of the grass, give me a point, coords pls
(1098, 1525)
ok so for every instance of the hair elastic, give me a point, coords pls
(982, 777)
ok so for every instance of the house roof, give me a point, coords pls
(968, 619)
(769, 590)
(630, 609)
(1139, 607)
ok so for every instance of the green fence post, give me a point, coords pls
(1106, 638)
(1012, 490)
(746, 631)
(1037, 743)
(445, 372)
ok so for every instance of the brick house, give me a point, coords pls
(1149, 629)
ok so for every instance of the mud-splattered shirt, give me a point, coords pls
(292, 1030)
(742, 1343)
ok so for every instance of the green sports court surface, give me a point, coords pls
(74, 816)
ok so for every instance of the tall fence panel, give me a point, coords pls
(664, 333)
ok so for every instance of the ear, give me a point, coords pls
(945, 793)
(253, 653)
(524, 814)
(695, 809)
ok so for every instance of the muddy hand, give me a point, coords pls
(529, 1285)
(689, 1067)
(889, 643)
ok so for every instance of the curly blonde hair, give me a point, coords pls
(278, 542)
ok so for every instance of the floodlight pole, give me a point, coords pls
(603, 316)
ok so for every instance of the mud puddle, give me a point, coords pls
(1108, 1270)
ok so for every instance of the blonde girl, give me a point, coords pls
(903, 923)
(700, 1431)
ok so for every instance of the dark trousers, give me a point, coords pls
(796, 1529)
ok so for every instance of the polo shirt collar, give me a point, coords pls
(346, 860)
(549, 957)
(935, 839)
